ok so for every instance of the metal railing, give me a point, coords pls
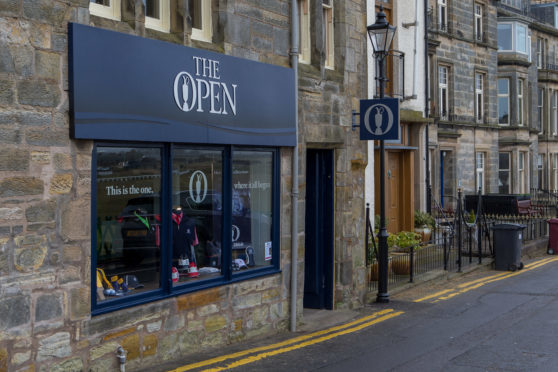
(457, 240)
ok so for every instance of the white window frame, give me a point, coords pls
(304, 25)
(520, 102)
(329, 42)
(163, 23)
(507, 170)
(540, 170)
(479, 172)
(443, 15)
(443, 91)
(514, 32)
(478, 22)
(206, 32)
(507, 96)
(111, 11)
(554, 113)
(554, 171)
(479, 97)
(521, 172)
(540, 109)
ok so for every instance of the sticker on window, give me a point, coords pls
(267, 251)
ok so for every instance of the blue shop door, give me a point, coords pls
(318, 262)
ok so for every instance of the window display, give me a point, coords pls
(128, 220)
(251, 209)
(197, 214)
(165, 224)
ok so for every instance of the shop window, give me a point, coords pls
(105, 8)
(252, 209)
(171, 219)
(157, 14)
(304, 30)
(504, 172)
(327, 22)
(128, 249)
(200, 11)
(504, 101)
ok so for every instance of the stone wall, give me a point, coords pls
(45, 192)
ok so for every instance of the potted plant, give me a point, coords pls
(373, 258)
(404, 242)
(424, 223)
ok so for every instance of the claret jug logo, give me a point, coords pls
(204, 91)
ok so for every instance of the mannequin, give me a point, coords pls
(184, 238)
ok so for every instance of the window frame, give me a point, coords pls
(206, 32)
(520, 102)
(478, 17)
(166, 289)
(304, 35)
(479, 97)
(111, 11)
(506, 170)
(480, 171)
(443, 15)
(443, 91)
(507, 97)
(328, 34)
(521, 171)
(554, 177)
(162, 24)
(514, 38)
(540, 108)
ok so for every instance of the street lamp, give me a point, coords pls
(381, 35)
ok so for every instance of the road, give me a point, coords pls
(483, 321)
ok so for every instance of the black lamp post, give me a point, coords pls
(381, 35)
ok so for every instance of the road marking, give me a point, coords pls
(477, 283)
(336, 331)
(261, 356)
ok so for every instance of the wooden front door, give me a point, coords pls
(393, 206)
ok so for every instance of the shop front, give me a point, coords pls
(185, 170)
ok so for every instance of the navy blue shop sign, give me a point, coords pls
(125, 87)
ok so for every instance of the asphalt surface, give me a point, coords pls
(481, 321)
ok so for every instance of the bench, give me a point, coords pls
(524, 207)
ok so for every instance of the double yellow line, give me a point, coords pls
(249, 356)
(446, 294)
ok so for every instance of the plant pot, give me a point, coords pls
(400, 263)
(424, 232)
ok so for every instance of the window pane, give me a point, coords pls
(521, 39)
(101, 2)
(195, 8)
(153, 8)
(504, 160)
(197, 215)
(503, 110)
(504, 36)
(502, 86)
(128, 220)
(252, 209)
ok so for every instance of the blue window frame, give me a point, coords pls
(169, 219)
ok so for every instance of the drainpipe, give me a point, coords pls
(294, 219)
(121, 356)
(426, 111)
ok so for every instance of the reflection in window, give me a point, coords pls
(251, 209)
(128, 221)
(197, 215)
